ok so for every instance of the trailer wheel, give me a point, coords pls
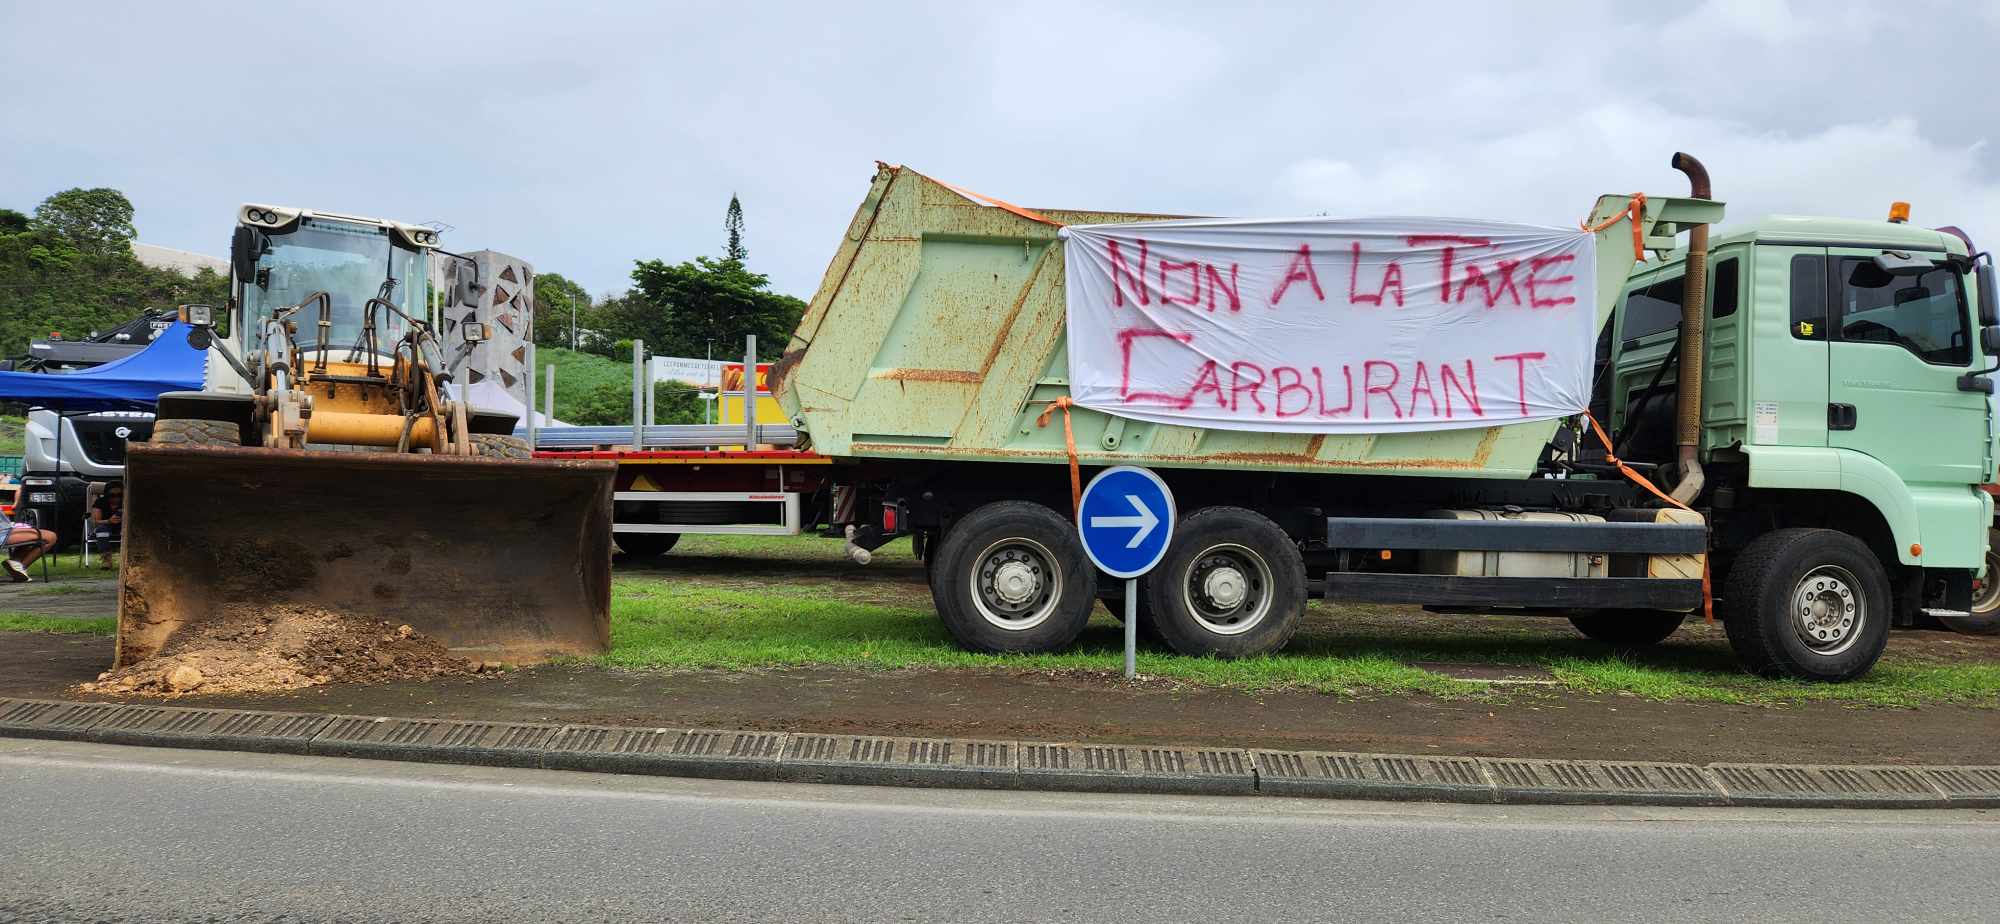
(1628, 628)
(645, 545)
(1807, 603)
(1232, 585)
(1985, 617)
(185, 432)
(1012, 577)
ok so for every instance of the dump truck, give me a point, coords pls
(324, 462)
(1808, 396)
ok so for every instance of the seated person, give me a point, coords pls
(107, 516)
(32, 544)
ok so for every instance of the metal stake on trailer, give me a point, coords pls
(750, 391)
(638, 404)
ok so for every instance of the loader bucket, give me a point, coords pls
(500, 560)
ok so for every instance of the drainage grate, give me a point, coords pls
(1600, 782)
(1372, 776)
(611, 750)
(208, 728)
(1969, 786)
(1816, 785)
(497, 743)
(899, 761)
(46, 719)
(1125, 768)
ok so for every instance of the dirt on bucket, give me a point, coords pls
(282, 647)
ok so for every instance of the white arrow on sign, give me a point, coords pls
(1142, 524)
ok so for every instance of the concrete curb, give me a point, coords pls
(1030, 765)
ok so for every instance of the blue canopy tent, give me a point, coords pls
(132, 382)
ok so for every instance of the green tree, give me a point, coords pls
(678, 308)
(732, 222)
(57, 274)
(92, 220)
(558, 300)
(611, 405)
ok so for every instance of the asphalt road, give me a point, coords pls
(92, 832)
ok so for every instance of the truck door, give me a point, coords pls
(1898, 344)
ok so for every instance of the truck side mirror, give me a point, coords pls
(1982, 276)
(244, 249)
(1989, 340)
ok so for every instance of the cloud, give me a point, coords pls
(1550, 174)
(586, 138)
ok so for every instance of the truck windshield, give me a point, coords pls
(349, 262)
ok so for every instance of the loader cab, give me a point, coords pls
(280, 256)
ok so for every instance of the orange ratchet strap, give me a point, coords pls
(1069, 439)
(1707, 597)
(1029, 214)
(1636, 209)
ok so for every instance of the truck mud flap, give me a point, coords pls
(500, 560)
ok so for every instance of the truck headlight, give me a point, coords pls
(199, 315)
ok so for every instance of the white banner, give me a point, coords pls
(1331, 326)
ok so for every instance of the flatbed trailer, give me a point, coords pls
(658, 494)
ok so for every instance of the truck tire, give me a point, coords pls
(1232, 585)
(1812, 604)
(1626, 629)
(645, 545)
(186, 432)
(1012, 577)
(1985, 617)
(500, 446)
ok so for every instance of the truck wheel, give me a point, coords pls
(1985, 618)
(180, 432)
(500, 446)
(645, 545)
(1232, 585)
(1807, 603)
(1012, 577)
(1628, 628)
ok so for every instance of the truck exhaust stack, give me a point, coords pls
(1694, 312)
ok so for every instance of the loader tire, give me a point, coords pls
(500, 446)
(182, 432)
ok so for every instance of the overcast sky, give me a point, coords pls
(585, 138)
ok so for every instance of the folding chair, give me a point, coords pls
(8, 544)
(95, 536)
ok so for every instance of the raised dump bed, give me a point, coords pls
(938, 334)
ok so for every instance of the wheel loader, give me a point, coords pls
(325, 461)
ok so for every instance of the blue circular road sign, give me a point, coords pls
(1126, 520)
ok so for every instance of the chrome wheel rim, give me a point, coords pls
(1228, 589)
(1016, 584)
(1827, 611)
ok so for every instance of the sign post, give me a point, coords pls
(1126, 520)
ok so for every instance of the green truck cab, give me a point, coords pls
(1845, 387)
